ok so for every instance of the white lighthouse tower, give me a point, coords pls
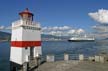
(25, 40)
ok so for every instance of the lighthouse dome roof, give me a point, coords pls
(26, 11)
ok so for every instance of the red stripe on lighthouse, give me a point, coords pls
(25, 43)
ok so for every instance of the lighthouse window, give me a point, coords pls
(26, 48)
(31, 28)
(23, 27)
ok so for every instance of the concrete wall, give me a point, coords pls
(17, 34)
(81, 57)
(50, 58)
(31, 35)
(97, 58)
(66, 57)
(16, 55)
(102, 59)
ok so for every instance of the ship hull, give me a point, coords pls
(81, 40)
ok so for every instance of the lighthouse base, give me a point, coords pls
(17, 67)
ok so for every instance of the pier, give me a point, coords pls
(72, 62)
(72, 65)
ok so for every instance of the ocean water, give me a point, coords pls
(4, 56)
(54, 47)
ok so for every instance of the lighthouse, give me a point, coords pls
(25, 40)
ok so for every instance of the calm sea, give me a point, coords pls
(54, 47)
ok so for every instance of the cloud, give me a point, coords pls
(71, 31)
(56, 28)
(100, 16)
(101, 31)
(5, 28)
(58, 33)
(8, 28)
(65, 28)
(61, 30)
(101, 28)
(101, 35)
(79, 31)
(2, 27)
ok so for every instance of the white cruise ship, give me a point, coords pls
(81, 38)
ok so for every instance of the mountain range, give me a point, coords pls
(4, 36)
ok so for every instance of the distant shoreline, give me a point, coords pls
(3, 40)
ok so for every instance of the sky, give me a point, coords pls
(54, 13)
